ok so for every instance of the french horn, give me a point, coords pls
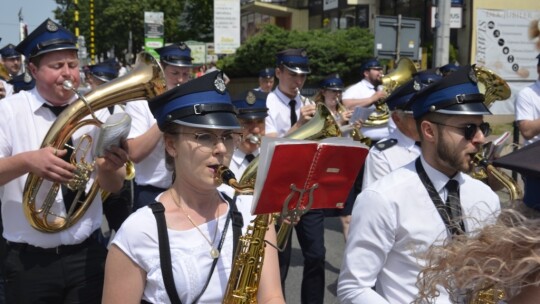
(145, 81)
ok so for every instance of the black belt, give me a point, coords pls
(62, 249)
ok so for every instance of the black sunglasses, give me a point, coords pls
(469, 130)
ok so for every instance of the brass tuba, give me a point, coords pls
(145, 81)
(491, 85)
(403, 73)
(4, 73)
(249, 257)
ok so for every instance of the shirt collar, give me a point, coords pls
(368, 84)
(408, 143)
(437, 178)
(239, 156)
(286, 99)
(39, 101)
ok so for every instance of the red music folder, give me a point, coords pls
(297, 172)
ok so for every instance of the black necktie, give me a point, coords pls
(249, 157)
(67, 194)
(453, 207)
(292, 105)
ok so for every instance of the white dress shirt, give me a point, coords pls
(528, 106)
(381, 162)
(365, 89)
(151, 171)
(24, 122)
(7, 87)
(394, 222)
(279, 113)
(190, 255)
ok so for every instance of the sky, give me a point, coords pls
(34, 13)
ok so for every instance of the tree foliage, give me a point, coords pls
(114, 19)
(329, 52)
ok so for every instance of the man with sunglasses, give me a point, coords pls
(426, 202)
(402, 144)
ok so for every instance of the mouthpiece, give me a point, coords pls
(254, 139)
(226, 176)
(68, 85)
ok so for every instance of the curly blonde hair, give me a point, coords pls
(503, 256)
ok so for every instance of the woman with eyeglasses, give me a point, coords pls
(200, 131)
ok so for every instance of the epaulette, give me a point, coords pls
(385, 144)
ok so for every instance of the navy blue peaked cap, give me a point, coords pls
(295, 60)
(267, 73)
(251, 104)
(448, 68)
(203, 102)
(455, 94)
(332, 82)
(104, 71)
(399, 99)
(9, 51)
(371, 63)
(176, 54)
(47, 37)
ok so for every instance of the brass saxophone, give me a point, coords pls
(485, 169)
(249, 256)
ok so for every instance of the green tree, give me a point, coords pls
(114, 19)
(329, 52)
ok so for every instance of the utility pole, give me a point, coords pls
(442, 41)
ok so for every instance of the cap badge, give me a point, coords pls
(303, 54)
(472, 75)
(51, 26)
(220, 85)
(182, 46)
(250, 98)
(416, 86)
(27, 78)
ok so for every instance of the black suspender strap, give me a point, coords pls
(441, 207)
(165, 252)
(238, 221)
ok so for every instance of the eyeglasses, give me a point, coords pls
(207, 141)
(469, 130)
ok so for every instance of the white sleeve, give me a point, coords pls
(375, 167)
(371, 237)
(141, 117)
(524, 105)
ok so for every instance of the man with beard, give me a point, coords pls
(402, 145)
(398, 217)
(11, 59)
(365, 94)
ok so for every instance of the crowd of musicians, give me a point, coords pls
(418, 227)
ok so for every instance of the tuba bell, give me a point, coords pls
(145, 81)
(491, 85)
(403, 73)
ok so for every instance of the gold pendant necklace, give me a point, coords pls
(214, 252)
